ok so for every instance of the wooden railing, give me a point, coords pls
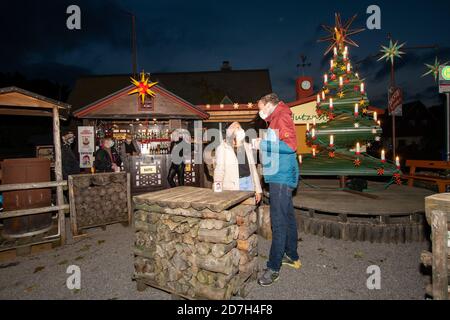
(26, 212)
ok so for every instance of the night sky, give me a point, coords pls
(199, 35)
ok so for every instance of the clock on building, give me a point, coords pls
(304, 87)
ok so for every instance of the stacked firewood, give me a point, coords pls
(100, 199)
(195, 253)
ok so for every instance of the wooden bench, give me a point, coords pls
(424, 164)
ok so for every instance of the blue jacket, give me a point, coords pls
(279, 161)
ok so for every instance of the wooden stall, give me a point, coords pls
(19, 102)
(195, 243)
(150, 123)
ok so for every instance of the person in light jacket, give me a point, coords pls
(235, 165)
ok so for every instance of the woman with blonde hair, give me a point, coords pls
(235, 166)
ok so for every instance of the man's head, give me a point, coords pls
(108, 143)
(128, 138)
(68, 137)
(267, 105)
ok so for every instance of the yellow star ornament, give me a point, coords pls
(143, 87)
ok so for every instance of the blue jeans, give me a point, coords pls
(246, 184)
(284, 225)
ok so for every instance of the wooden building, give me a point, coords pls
(226, 95)
(151, 124)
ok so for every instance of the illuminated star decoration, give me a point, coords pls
(357, 163)
(341, 94)
(391, 52)
(143, 87)
(434, 68)
(339, 34)
(380, 171)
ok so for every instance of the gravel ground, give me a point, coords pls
(331, 270)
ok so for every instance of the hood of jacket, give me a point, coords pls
(280, 109)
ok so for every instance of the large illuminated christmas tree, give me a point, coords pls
(339, 146)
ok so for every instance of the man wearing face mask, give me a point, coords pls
(235, 165)
(70, 164)
(281, 172)
(128, 149)
(107, 158)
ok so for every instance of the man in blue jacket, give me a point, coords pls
(281, 172)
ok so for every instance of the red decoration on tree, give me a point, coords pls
(347, 80)
(333, 77)
(397, 178)
(356, 88)
(330, 116)
(331, 154)
(380, 171)
(357, 163)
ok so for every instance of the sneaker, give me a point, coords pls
(291, 263)
(268, 278)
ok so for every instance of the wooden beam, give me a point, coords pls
(28, 212)
(32, 185)
(24, 112)
(21, 100)
(58, 174)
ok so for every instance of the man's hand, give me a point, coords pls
(256, 143)
(258, 197)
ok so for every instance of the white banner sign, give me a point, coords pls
(86, 142)
(305, 113)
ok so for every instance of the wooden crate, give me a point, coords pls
(195, 243)
(98, 200)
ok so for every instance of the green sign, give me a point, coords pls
(446, 73)
(444, 79)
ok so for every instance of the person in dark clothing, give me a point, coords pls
(177, 167)
(128, 149)
(70, 163)
(107, 158)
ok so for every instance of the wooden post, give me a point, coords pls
(437, 211)
(129, 203)
(439, 245)
(73, 211)
(58, 174)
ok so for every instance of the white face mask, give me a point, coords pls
(263, 115)
(240, 135)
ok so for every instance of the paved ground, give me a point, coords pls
(331, 270)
